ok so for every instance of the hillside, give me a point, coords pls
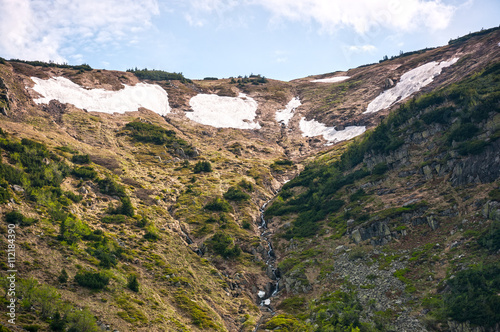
(137, 196)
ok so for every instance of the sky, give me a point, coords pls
(279, 39)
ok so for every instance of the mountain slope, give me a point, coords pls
(405, 209)
(142, 213)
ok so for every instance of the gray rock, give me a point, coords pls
(17, 188)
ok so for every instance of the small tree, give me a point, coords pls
(202, 166)
(63, 277)
(133, 284)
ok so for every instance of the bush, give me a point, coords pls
(132, 283)
(490, 239)
(236, 194)
(464, 132)
(247, 185)
(114, 219)
(92, 280)
(84, 173)
(222, 244)
(63, 276)
(151, 233)
(218, 204)
(126, 208)
(80, 159)
(16, 217)
(473, 296)
(108, 186)
(202, 166)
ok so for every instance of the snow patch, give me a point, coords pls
(410, 82)
(331, 79)
(314, 128)
(224, 112)
(261, 294)
(285, 115)
(128, 99)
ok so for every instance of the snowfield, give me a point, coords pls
(314, 128)
(224, 112)
(129, 99)
(331, 79)
(285, 115)
(410, 82)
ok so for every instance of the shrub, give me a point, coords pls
(126, 208)
(151, 233)
(84, 173)
(463, 132)
(218, 204)
(132, 283)
(222, 244)
(92, 280)
(490, 239)
(80, 159)
(16, 217)
(236, 194)
(63, 276)
(247, 185)
(114, 219)
(108, 186)
(202, 166)
(473, 296)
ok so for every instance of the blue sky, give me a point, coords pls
(280, 39)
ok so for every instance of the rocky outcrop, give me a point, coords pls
(481, 168)
(380, 233)
(491, 210)
(466, 327)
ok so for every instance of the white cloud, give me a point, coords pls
(361, 48)
(361, 15)
(33, 29)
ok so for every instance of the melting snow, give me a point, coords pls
(267, 302)
(411, 82)
(315, 128)
(128, 99)
(331, 79)
(224, 112)
(286, 114)
(262, 294)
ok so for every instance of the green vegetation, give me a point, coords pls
(16, 217)
(158, 75)
(473, 296)
(490, 239)
(80, 159)
(222, 244)
(92, 280)
(218, 204)
(132, 283)
(202, 166)
(45, 302)
(84, 173)
(126, 208)
(236, 194)
(199, 316)
(82, 67)
(150, 133)
(281, 165)
(108, 186)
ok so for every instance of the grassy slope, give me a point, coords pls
(390, 177)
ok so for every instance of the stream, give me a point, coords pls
(272, 288)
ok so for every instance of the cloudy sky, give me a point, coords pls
(281, 39)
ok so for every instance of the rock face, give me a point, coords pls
(482, 168)
(491, 210)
